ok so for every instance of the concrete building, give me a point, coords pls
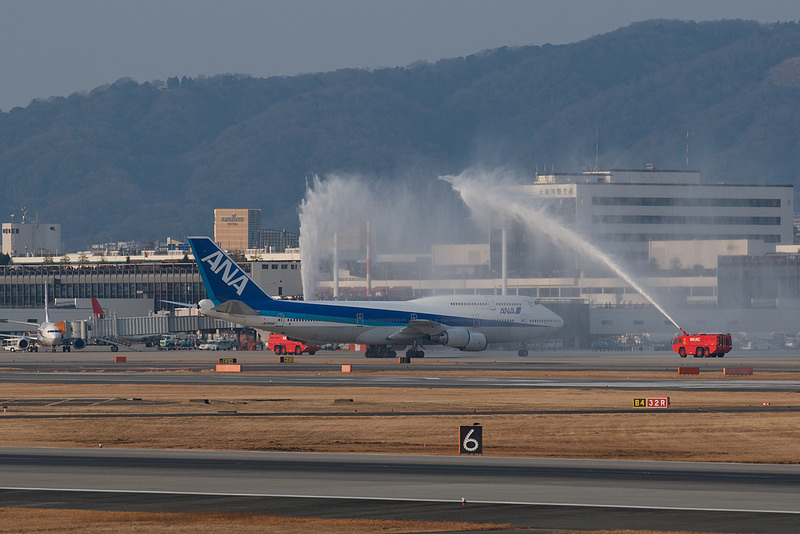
(278, 240)
(702, 254)
(240, 230)
(31, 238)
(623, 211)
(237, 229)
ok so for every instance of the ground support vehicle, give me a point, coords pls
(218, 344)
(702, 345)
(283, 345)
(171, 342)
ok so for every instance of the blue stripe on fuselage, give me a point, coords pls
(225, 280)
(370, 316)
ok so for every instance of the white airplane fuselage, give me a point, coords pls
(49, 334)
(465, 322)
(501, 319)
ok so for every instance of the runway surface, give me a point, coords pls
(354, 380)
(533, 493)
(324, 370)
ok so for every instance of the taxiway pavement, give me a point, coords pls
(534, 493)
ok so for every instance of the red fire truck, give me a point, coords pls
(284, 345)
(702, 345)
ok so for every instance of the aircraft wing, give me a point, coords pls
(236, 307)
(417, 328)
(181, 304)
(35, 325)
(17, 336)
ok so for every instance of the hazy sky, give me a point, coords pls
(58, 47)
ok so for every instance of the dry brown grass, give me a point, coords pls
(17, 520)
(701, 426)
(23, 520)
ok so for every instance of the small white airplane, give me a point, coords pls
(48, 334)
(466, 322)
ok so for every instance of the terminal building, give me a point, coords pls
(623, 212)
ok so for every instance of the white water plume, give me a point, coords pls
(495, 192)
(326, 209)
(406, 216)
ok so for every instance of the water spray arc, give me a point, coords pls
(482, 194)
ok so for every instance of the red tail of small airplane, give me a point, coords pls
(97, 310)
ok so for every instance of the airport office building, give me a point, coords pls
(623, 212)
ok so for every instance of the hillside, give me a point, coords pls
(146, 160)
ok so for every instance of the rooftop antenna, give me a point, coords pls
(597, 149)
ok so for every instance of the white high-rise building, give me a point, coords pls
(31, 238)
(623, 211)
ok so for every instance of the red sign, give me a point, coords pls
(659, 402)
(655, 402)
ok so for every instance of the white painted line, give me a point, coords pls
(400, 499)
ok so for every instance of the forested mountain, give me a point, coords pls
(148, 160)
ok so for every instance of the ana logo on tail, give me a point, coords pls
(231, 274)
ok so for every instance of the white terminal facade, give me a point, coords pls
(624, 211)
(31, 238)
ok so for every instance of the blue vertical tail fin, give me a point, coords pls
(224, 280)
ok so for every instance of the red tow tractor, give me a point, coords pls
(285, 345)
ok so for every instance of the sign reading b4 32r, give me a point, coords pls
(652, 402)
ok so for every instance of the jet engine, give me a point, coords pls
(79, 343)
(461, 338)
(205, 305)
(23, 344)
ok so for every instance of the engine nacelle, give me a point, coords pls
(23, 344)
(79, 343)
(205, 305)
(461, 338)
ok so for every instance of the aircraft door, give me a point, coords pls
(360, 319)
(281, 319)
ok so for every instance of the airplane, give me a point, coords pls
(48, 334)
(465, 322)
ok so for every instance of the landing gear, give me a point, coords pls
(415, 351)
(114, 348)
(522, 353)
(379, 351)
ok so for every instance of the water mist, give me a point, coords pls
(401, 215)
(492, 192)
